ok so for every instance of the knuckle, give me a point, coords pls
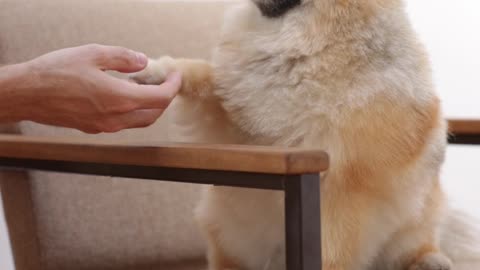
(125, 55)
(102, 57)
(98, 126)
(99, 53)
(103, 126)
(111, 127)
(91, 128)
(125, 52)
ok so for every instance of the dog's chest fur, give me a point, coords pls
(264, 86)
(282, 82)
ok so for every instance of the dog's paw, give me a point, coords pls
(156, 71)
(432, 261)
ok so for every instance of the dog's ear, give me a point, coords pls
(276, 8)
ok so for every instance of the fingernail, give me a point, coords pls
(141, 59)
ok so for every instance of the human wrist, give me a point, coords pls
(17, 87)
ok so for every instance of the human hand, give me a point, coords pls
(70, 88)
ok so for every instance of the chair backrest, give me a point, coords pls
(59, 221)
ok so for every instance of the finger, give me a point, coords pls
(118, 58)
(135, 119)
(154, 96)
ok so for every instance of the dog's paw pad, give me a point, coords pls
(156, 71)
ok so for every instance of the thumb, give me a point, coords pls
(156, 96)
(120, 59)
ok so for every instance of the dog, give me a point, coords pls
(346, 76)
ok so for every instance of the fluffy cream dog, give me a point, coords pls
(347, 76)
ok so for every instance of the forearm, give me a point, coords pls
(16, 81)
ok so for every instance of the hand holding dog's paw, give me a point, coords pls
(156, 71)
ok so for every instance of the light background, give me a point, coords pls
(451, 31)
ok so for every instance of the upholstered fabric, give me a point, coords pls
(86, 222)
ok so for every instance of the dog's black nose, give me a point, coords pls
(276, 8)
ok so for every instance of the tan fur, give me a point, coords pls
(200, 77)
(348, 76)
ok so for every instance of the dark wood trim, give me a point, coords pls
(302, 222)
(195, 176)
(468, 139)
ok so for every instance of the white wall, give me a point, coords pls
(451, 31)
